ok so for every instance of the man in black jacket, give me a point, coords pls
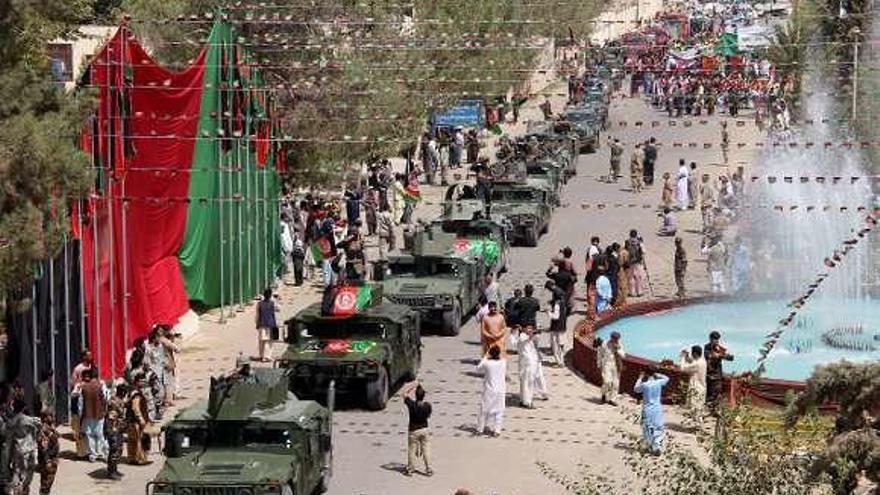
(650, 160)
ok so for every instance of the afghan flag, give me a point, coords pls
(321, 249)
(486, 249)
(351, 299)
(411, 194)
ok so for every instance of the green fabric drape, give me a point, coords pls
(231, 249)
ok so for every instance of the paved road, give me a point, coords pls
(568, 430)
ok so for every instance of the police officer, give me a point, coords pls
(47, 452)
(114, 429)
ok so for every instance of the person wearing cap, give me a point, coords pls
(610, 358)
(715, 353)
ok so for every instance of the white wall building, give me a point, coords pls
(68, 57)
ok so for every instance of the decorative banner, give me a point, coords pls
(486, 249)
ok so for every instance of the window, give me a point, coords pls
(61, 61)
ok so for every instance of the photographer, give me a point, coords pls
(715, 353)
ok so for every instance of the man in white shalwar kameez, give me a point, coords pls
(531, 373)
(491, 414)
(694, 366)
(681, 186)
(611, 356)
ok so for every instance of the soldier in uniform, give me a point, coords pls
(616, 153)
(21, 443)
(636, 173)
(725, 141)
(114, 429)
(679, 266)
(137, 418)
(47, 452)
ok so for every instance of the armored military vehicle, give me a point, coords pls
(442, 278)
(465, 216)
(526, 202)
(558, 142)
(587, 124)
(252, 436)
(367, 349)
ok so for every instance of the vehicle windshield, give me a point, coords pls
(467, 229)
(424, 268)
(239, 435)
(515, 195)
(579, 116)
(335, 329)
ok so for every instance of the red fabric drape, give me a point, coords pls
(147, 120)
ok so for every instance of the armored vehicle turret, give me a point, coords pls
(251, 436)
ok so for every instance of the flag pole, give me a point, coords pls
(220, 189)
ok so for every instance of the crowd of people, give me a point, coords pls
(702, 367)
(106, 417)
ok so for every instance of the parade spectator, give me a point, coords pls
(610, 359)
(21, 435)
(528, 307)
(557, 311)
(635, 168)
(681, 186)
(490, 417)
(85, 363)
(667, 191)
(46, 393)
(418, 438)
(531, 373)
(636, 258)
(92, 406)
(266, 324)
(623, 259)
(493, 329)
(650, 386)
(679, 267)
(667, 224)
(693, 365)
(650, 161)
(512, 309)
(716, 254)
(616, 150)
(137, 418)
(114, 430)
(715, 353)
(693, 186)
(456, 147)
(47, 452)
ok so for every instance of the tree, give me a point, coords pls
(356, 80)
(854, 447)
(41, 169)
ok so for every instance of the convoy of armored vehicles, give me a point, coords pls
(258, 434)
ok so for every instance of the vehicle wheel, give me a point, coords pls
(591, 148)
(287, 490)
(452, 320)
(545, 228)
(530, 239)
(377, 391)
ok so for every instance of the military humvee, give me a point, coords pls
(526, 205)
(442, 278)
(465, 216)
(367, 352)
(252, 436)
(587, 123)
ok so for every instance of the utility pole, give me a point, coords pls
(855, 73)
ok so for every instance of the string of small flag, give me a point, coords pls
(830, 262)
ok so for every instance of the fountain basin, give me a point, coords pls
(654, 331)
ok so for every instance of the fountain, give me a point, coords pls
(792, 253)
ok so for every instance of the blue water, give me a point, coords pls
(743, 326)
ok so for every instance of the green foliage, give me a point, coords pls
(41, 169)
(375, 62)
(855, 446)
(791, 49)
